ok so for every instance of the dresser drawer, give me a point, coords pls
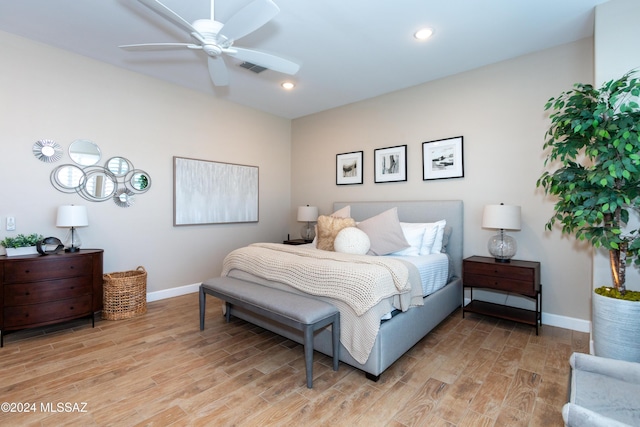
(47, 268)
(48, 312)
(50, 290)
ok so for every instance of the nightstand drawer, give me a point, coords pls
(500, 283)
(505, 271)
(51, 290)
(54, 267)
(48, 312)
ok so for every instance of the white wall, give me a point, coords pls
(499, 109)
(52, 94)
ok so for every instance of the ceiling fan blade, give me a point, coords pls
(263, 59)
(218, 71)
(159, 46)
(249, 18)
(168, 14)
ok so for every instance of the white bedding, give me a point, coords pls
(433, 269)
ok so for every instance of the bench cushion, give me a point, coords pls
(292, 306)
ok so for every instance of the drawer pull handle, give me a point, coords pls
(71, 308)
(27, 271)
(27, 293)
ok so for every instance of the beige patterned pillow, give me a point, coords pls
(328, 229)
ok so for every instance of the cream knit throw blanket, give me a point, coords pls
(361, 281)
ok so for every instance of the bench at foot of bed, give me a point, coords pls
(299, 312)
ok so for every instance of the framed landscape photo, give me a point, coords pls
(349, 168)
(442, 159)
(390, 164)
(207, 192)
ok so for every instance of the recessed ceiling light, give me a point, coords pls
(423, 33)
(288, 85)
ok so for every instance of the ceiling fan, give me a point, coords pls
(216, 39)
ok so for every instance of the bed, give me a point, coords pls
(412, 319)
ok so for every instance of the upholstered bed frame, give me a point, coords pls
(403, 331)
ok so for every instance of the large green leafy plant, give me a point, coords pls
(595, 138)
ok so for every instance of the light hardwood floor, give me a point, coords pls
(159, 369)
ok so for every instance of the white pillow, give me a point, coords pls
(352, 240)
(432, 239)
(413, 232)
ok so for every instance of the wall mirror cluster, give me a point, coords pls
(115, 179)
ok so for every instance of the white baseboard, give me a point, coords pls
(173, 292)
(566, 322)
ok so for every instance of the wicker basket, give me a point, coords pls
(125, 294)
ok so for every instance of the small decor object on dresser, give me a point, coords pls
(21, 244)
(125, 294)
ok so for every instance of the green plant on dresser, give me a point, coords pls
(21, 241)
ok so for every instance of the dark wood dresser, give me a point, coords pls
(40, 290)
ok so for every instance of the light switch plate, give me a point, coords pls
(11, 223)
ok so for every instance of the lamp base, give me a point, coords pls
(502, 247)
(307, 232)
(72, 249)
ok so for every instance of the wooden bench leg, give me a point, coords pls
(227, 311)
(202, 307)
(308, 353)
(335, 330)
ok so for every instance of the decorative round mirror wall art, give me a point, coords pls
(47, 151)
(117, 180)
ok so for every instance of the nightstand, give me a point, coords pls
(516, 276)
(297, 242)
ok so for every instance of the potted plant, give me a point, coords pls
(21, 244)
(594, 137)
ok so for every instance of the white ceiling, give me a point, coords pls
(350, 50)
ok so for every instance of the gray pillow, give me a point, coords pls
(385, 233)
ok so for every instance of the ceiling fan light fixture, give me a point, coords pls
(288, 85)
(423, 33)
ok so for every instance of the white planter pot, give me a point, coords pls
(616, 328)
(29, 250)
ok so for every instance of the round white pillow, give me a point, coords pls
(352, 240)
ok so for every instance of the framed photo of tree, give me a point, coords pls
(390, 164)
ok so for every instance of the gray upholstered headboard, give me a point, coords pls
(420, 211)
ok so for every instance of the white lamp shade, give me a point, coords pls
(72, 216)
(307, 213)
(506, 217)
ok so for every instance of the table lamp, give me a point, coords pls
(502, 217)
(72, 216)
(307, 214)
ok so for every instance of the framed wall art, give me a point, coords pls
(349, 168)
(207, 192)
(442, 159)
(390, 164)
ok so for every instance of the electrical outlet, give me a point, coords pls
(11, 223)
